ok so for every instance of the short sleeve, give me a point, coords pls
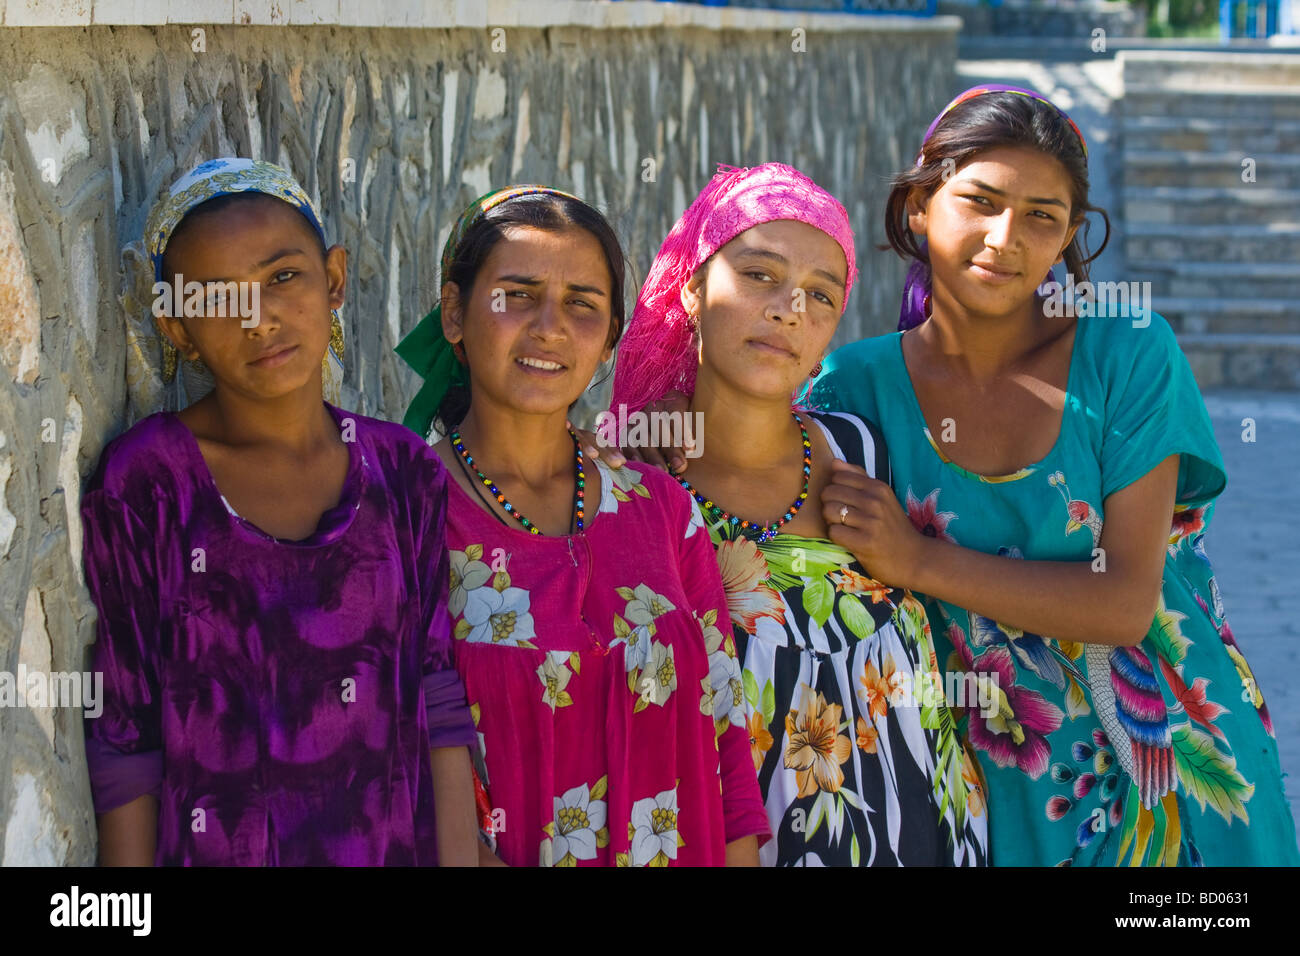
(742, 800)
(449, 720)
(846, 381)
(124, 739)
(824, 391)
(1154, 409)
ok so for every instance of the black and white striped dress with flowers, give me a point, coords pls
(857, 752)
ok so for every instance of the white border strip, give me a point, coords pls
(443, 14)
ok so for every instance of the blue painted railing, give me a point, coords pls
(1254, 18)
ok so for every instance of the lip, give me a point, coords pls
(992, 273)
(775, 345)
(534, 370)
(275, 356)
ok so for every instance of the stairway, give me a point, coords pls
(1222, 254)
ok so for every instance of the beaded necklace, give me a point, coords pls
(580, 479)
(769, 531)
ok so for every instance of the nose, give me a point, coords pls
(1001, 231)
(548, 319)
(258, 314)
(785, 305)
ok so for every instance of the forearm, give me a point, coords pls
(453, 798)
(1065, 600)
(487, 858)
(743, 852)
(128, 835)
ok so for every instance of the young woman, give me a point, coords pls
(586, 603)
(835, 681)
(1058, 473)
(276, 653)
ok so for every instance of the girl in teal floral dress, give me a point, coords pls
(1061, 472)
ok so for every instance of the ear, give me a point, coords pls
(336, 274)
(918, 206)
(173, 328)
(1069, 238)
(453, 314)
(693, 293)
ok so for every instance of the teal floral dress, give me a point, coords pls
(1161, 754)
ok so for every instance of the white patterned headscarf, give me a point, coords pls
(157, 377)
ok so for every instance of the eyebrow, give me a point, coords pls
(777, 257)
(531, 281)
(279, 255)
(1047, 201)
(283, 253)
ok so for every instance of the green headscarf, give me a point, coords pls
(426, 349)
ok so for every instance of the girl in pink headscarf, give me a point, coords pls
(832, 673)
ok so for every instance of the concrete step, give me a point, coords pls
(1188, 70)
(1222, 169)
(973, 46)
(1212, 243)
(1235, 281)
(1240, 102)
(1197, 205)
(1244, 361)
(1204, 314)
(1197, 135)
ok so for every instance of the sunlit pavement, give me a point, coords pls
(1255, 550)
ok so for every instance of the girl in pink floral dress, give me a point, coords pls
(587, 606)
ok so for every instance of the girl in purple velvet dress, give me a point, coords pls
(271, 578)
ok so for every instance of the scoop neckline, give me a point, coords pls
(587, 524)
(1021, 473)
(333, 522)
(816, 416)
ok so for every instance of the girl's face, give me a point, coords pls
(537, 321)
(271, 244)
(768, 303)
(995, 228)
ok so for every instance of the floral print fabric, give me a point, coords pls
(834, 680)
(600, 685)
(1159, 754)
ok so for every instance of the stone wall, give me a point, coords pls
(394, 130)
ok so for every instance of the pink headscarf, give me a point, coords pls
(660, 351)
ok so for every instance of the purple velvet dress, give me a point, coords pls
(279, 697)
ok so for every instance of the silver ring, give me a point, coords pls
(844, 513)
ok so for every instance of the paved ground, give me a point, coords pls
(1256, 553)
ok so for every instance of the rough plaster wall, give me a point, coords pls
(96, 122)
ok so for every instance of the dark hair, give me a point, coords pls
(990, 121)
(541, 211)
(217, 204)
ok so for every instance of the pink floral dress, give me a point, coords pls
(587, 661)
